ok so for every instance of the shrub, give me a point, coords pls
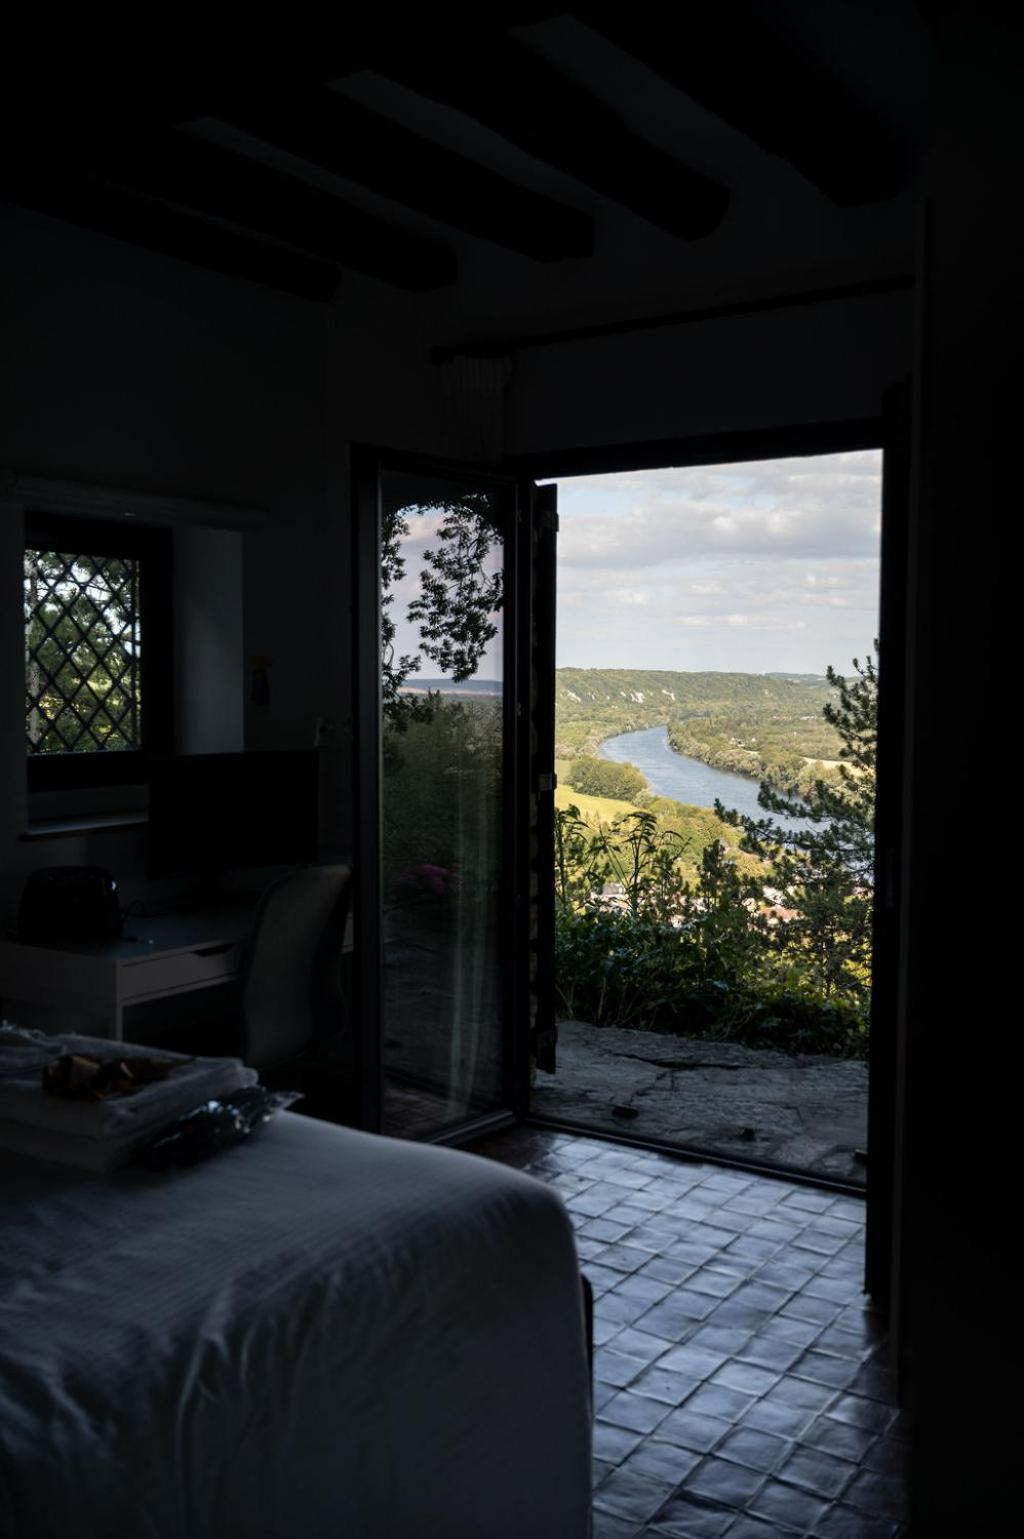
(604, 777)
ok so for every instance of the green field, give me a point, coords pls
(594, 810)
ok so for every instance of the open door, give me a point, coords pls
(442, 839)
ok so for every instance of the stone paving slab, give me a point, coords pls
(800, 1111)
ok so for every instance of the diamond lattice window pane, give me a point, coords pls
(83, 653)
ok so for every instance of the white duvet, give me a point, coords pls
(318, 1333)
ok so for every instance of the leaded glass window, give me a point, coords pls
(83, 652)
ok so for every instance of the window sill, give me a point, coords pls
(93, 823)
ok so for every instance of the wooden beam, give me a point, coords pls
(63, 192)
(194, 174)
(497, 81)
(350, 140)
(739, 62)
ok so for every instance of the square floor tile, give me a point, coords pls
(665, 1385)
(648, 1289)
(611, 1367)
(801, 1393)
(787, 1506)
(714, 1400)
(637, 1412)
(882, 1495)
(825, 1368)
(839, 1438)
(747, 1377)
(762, 1451)
(858, 1412)
(820, 1473)
(722, 1480)
(665, 1461)
(608, 1526)
(612, 1444)
(688, 1517)
(641, 1344)
(691, 1430)
(630, 1494)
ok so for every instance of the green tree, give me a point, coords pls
(456, 606)
(606, 777)
(823, 868)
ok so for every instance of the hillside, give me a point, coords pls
(753, 723)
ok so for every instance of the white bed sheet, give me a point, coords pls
(318, 1333)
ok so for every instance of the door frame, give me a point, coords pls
(889, 432)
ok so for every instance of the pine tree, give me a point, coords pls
(823, 869)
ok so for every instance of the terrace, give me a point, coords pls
(794, 1111)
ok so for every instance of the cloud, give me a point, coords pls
(772, 509)
(763, 566)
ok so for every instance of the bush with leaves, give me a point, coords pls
(695, 958)
(607, 778)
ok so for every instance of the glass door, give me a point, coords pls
(438, 846)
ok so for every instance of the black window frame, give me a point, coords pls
(152, 547)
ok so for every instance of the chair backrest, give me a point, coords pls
(291, 975)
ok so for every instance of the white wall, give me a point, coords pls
(209, 661)
(780, 368)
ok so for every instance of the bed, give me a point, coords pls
(317, 1333)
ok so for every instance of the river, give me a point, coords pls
(685, 780)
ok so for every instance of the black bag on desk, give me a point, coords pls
(69, 904)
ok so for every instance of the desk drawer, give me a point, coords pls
(197, 969)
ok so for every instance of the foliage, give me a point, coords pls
(442, 793)
(606, 777)
(459, 597)
(824, 869)
(703, 956)
(456, 605)
(82, 648)
(579, 863)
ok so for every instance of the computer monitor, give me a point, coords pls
(217, 812)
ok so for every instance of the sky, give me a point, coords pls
(753, 568)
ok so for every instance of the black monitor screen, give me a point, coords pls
(224, 811)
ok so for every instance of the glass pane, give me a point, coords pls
(83, 649)
(442, 856)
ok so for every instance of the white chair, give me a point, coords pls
(292, 1000)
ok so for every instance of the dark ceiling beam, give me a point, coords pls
(207, 179)
(61, 191)
(737, 61)
(496, 80)
(352, 141)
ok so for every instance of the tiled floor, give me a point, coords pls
(742, 1388)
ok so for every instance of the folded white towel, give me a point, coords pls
(24, 1102)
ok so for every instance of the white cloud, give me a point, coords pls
(762, 566)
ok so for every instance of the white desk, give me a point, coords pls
(47, 986)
